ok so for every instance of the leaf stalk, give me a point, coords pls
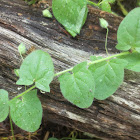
(23, 93)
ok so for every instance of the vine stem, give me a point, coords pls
(106, 41)
(12, 130)
(29, 89)
(93, 62)
(124, 11)
(92, 3)
(70, 69)
(107, 58)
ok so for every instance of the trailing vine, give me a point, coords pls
(98, 79)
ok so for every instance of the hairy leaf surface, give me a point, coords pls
(108, 77)
(37, 67)
(128, 34)
(27, 113)
(4, 106)
(78, 87)
(71, 14)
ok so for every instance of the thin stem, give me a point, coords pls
(64, 71)
(93, 62)
(12, 130)
(124, 11)
(21, 56)
(107, 58)
(106, 41)
(92, 3)
(23, 93)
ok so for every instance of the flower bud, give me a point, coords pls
(103, 23)
(46, 13)
(22, 48)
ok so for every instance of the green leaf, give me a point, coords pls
(37, 67)
(52, 138)
(71, 14)
(110, 1)
(22, 48)
(27, 113)
(4, 106)
(108, 77)
(16, 71)
(128, 34)
(105, 6)
(93, 57)
(78, 87)
(133, 61)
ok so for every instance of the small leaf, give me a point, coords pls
(128, 34)
(37, 67)
(4, 106)
(105, 6)
(46, 13)
(108, 77)
(27, 113)
(16, 71)
(78, 87)
(133, 61)
(71, 14)
(22, 48)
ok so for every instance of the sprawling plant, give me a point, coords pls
(98, 79)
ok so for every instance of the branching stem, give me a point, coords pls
(70, 69)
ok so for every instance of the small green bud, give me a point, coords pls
(16, 71)
(22, 48)
(46, 13)
(103, 23)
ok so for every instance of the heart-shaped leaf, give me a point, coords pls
(4, 106)
(37, 67)
(78, 87)
(108, 77)
(128, 34)
(71, 14)
(27, 113)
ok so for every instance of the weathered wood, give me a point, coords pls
(117, 117)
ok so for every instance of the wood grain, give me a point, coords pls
(116, 118)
